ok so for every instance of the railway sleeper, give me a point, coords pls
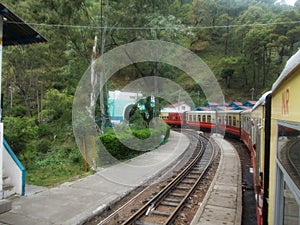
(198, 165)
(203, 162)
(199, 168)
(176, 195)
(172, 200)
(198, 171)
(192, 177)
(187, 182)
(160, 213)
(166, 203)
(183, 188)
(138, 222)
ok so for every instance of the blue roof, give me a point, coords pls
(249, 103)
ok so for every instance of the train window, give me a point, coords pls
(194, 118)
(288, 151)
(190, 118)
(203, 118)
(291, 208)
(243, 122)
(208, 118)
(288, 155)
(199, 118)
(229, 120)
(234, 121)
(223, 119)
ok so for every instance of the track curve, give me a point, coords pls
(164, 207)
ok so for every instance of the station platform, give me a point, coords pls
(223, 202)
(75, 202)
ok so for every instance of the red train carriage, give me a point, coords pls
(174, 119)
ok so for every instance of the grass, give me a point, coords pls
(55, 174)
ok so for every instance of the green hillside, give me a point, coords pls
(244, 42)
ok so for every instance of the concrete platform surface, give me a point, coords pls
(5, 205)
(223, 201)
(74, 202)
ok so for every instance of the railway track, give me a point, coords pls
(164, 207)
(293, 159)
(293, 156)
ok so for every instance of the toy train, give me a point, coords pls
(271, 132)
(215, 121)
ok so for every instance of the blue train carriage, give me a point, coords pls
(284, 187)
(259, 145)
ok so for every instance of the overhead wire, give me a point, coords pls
(156, 28)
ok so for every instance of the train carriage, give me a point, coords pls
(284, 190)
(175, 119)
(271, 132)
(202, 120)
(246, 129)
(229, 122)
(260, 149)
(164, 116)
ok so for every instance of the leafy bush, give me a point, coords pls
(44, 145)
(117, 145)
(19, 131)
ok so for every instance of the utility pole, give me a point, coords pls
(252, 91)
(102, 74)
(1, 124)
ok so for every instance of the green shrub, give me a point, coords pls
(43, 145)
(117, 145)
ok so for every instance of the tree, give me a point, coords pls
(227, 74)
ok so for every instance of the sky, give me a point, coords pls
(290, 2)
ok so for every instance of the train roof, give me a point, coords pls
(202, 112)
(262, 100)
(219, 112)
(16, 31)
(247, 111)
(291, 64)
(229, 111)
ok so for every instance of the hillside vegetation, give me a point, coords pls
(245, 43)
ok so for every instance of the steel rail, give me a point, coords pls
(158, 198)
(112, 215)
(181, 204)
(290, 158)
